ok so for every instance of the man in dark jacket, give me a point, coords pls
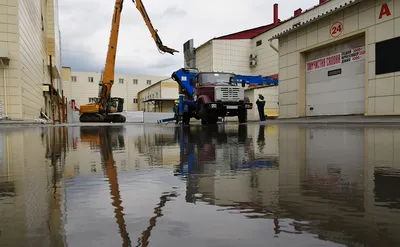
(260, 106)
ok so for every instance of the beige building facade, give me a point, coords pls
(159, 97)
(336, 58)
(341, 59)
(244, 52)
(83, 87)
(241, 56)
(29, 36)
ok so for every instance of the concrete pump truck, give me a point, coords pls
(106, 108)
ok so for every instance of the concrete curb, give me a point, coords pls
(24, 122)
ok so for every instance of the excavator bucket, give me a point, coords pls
(167, 49)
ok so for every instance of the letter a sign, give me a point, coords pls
(385, 11)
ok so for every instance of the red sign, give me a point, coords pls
(324, 62)
(353, 54)
(346, 56)
(384, 11)
(336, 29)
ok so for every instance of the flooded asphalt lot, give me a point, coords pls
(227, 185)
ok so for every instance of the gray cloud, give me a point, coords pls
(174, 11)
(85, 29)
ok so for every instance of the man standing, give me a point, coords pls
(260, 106)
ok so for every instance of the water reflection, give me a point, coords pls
(322, 180)
(233, 186)
(102, 137)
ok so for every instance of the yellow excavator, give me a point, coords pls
(106, 108)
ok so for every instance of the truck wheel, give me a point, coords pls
(212, 119)
(186, 118)
(242, 116)
(207, 117)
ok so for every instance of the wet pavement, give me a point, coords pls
(227, 185)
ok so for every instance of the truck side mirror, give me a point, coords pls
(192, 82)
(243, 83)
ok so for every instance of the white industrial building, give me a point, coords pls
(159, 97)
(339, 57)
(29, 36)
(245, 53)
(83, 87)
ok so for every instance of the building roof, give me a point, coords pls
(335, 8)
(249, 33)
(155, 84)
(245, 34)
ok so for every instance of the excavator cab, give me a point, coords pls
(116, 105)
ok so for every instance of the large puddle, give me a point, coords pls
(246, 185)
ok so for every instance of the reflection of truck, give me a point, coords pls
(210, 95)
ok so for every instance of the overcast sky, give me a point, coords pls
(85, 29)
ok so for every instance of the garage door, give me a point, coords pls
(335, 79)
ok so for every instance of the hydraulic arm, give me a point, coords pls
(162, 48)
(105, 107)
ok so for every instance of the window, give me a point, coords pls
(135, 101)
(121, 81)
(90, 79)
(42, 21)
(93, 168)
(76, 170)
(135, 81)
(148, 82)
(259, 43)
(73, 78)
(92, 100)
(386, 56)
(123, 165)
(156, 95)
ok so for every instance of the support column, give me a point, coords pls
(66, 109)
(63, 106)
(51, 89)
(58, 106)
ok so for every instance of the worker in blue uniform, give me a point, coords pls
(260, 106)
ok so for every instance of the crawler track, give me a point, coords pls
(98, 118)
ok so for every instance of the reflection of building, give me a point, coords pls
(30, 182)
(344, 179)
(84, 158)
(335, 183)
(157, 145)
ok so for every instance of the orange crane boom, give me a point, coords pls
(162, 48)
(106, 108)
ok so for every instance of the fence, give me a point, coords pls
(131, 116)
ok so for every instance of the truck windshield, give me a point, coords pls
(217, 78)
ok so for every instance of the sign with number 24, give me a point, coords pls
(336, 29)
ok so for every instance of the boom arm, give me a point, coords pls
(108, 75)
(162, 48)
(184, 75)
